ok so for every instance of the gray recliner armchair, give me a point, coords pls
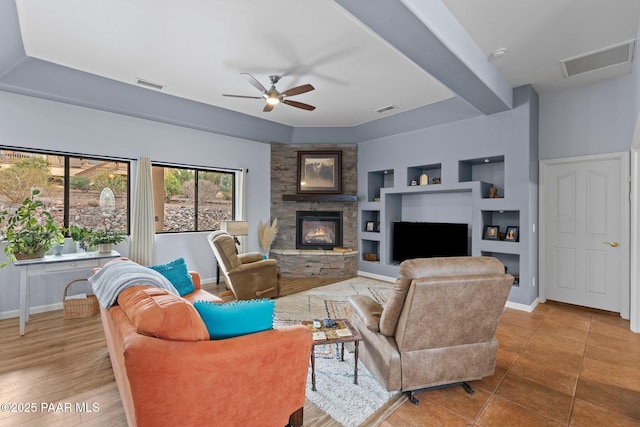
(247, 275)
(438, 327)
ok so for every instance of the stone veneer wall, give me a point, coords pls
(284, 173)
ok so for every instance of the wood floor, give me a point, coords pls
(557, 366)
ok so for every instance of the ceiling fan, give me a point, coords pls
(273, 97)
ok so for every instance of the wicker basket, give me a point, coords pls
(82, 307)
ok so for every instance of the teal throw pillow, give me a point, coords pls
(236, 318)
(177, 273)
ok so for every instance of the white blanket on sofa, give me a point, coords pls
(114, 278)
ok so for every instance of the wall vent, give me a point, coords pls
(147, 83)
(608, 57)
(385, 109)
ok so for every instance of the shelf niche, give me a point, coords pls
(376, 181)
(433, 171)
(501, 219)
(485, 169)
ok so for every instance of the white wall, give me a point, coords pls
(28, 122)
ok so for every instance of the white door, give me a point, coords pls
(584, 219)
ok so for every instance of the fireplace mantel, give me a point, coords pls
(319, 198)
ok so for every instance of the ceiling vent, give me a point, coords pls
(385, 109)
(614, 55)
(147, 83)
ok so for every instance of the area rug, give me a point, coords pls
(349, 404)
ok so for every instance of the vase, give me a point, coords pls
(105, 248)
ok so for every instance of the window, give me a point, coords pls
(89, 192)
(189, 199)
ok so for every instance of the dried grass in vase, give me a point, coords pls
(267, 233)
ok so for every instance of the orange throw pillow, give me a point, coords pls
(158, 313)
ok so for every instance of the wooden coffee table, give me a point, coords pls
(332, 336)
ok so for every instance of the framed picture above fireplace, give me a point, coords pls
(320, 172)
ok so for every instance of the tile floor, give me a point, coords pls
(560, 365)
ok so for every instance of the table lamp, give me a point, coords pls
(235, 228)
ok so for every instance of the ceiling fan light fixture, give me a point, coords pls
(273, 99)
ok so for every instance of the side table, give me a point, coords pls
(53, 264)
(333, 336)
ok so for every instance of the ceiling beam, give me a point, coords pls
(428, 34)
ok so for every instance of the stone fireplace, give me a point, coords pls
(315, 259)
(318, 229)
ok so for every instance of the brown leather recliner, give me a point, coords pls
(438, 327)
(247, 275)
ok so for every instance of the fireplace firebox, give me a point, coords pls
(318, 229)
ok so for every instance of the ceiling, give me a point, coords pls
(196, 49)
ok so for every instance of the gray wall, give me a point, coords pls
(590, 119)
(34, 123)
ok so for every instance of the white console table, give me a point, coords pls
(53, 264)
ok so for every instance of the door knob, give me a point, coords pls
(612, 244)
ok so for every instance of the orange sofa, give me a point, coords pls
(169, 373)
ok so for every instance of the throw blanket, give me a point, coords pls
(114, 278)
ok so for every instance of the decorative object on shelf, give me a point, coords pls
(414, 182)
(377, 226)
(370, 226)
(491, 232)
(266, 234)
(105, 239)
(370, 256)
(235, 229)
(320, 172)
(511, 234)
(424, 179)
(435, 180)
(30, 230)
(376, 199)
(493, 193)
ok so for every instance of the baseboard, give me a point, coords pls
(33, 310)
(377, 276)
(523, 307)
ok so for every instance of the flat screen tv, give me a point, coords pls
(429, 239)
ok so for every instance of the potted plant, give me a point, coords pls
(30, 230)
(80, 235)
(105, 239)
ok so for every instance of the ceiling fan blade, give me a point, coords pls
(298, 90)
(253, 82)
(267, 108)
(242, 96)
(299, 105)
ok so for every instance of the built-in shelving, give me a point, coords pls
(470, 158)
(389, 200)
